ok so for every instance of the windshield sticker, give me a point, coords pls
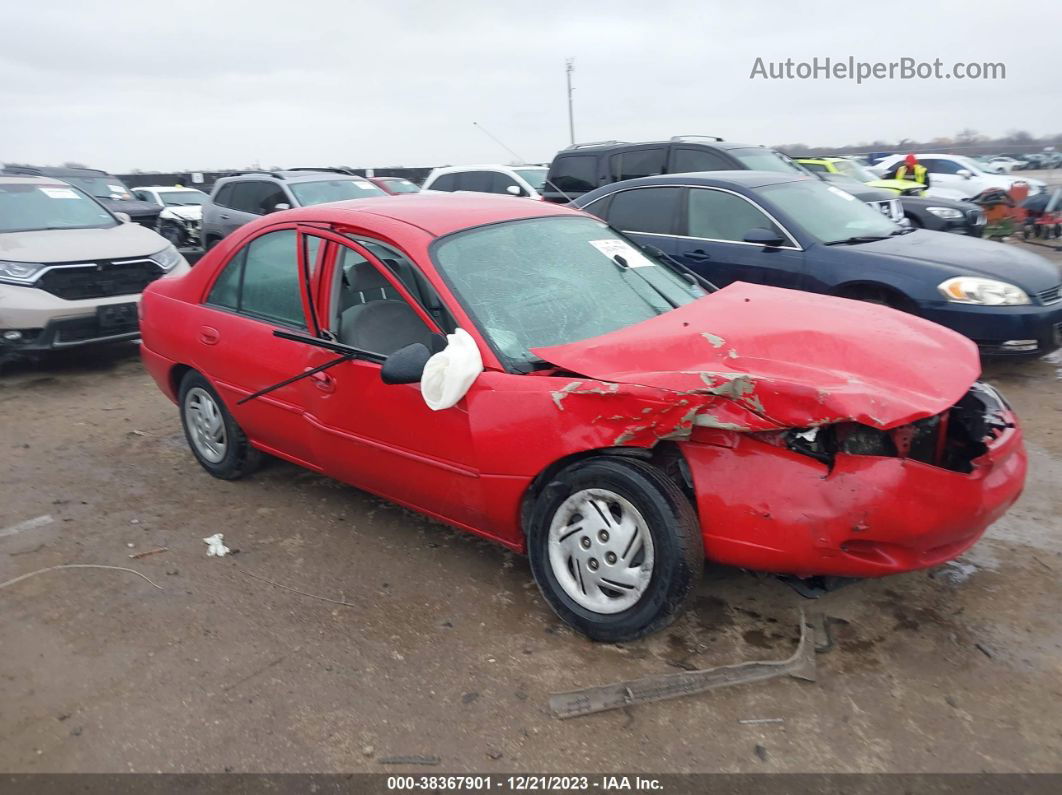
(363, 184)
(843, 194)
(116, 188)
(58, 193)
(633, 257)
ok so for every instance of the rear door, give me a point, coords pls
(260, 289)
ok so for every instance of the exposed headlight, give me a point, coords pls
(988, 292)
(20, 272)
(168, 258)
(945, 212)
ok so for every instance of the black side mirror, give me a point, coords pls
(406, 365)
(763, 237)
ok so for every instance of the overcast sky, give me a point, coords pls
(226, 84)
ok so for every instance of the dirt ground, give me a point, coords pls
(444, 647)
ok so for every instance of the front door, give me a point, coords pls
(380, 437)
(711, 242)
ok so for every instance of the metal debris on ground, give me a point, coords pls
(409, 760)
(801, 665)
(28, 524)
(215, 547)
(148, 552)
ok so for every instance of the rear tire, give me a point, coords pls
(615, 548)
(216, 440)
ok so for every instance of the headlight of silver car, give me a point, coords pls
(987, 292)
(20, 272)
(945, 212)
(168, 258)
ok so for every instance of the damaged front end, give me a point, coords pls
(952, 440)
(821, 437)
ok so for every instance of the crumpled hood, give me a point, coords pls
(796, 359)
(190, 213)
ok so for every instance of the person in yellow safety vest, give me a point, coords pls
(913, 170)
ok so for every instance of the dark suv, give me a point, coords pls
(585, 167)
(105, 188)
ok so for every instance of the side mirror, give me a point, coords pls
(965, 173)
(514, 190)
(406, 365)
(125, 218)
(763, 237)
(280, 206)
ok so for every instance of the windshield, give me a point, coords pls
(183, 198)
(757, 158)
(826, 212)
(853, 170)
(105, 187)
(401, 186)
(333, 190)
(535, 177)
(549, 281)
(26, 208)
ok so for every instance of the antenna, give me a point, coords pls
(483, 130)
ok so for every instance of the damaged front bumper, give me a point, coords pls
(857, 502)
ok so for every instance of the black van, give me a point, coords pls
(584, 167)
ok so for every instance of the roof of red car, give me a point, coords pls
(436, 213)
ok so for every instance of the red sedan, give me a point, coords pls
(622, 422)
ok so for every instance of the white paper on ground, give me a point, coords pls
(216, 549)
(449, 374)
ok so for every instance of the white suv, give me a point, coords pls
(71, 271)
(512, 180)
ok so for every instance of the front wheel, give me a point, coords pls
(615, 548)
(174, 234)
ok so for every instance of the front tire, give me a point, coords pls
(216, 440)
(174, 234)
(615, 548)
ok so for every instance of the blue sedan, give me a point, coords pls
(798, 232)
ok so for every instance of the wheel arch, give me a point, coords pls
(862, 288)
(665, 455)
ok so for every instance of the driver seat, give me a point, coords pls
(380, 322)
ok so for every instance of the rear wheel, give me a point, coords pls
(615, 548)
(217, 442)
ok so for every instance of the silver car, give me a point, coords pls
(71, 271)
(238, 200)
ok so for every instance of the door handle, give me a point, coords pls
(208, 335)
(698, 255)
(323, 381)
(223, 217)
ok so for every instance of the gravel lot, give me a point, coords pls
(444, 647)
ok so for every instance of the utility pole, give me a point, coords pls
(569, 67)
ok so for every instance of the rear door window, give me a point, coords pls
(687, 159)
(637, 163)
(653, 210)
(262, 281)
(446, 182)
(479, 181)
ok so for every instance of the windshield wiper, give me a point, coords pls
(851, 241)
(903, 230)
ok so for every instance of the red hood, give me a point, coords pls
(794, 358)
